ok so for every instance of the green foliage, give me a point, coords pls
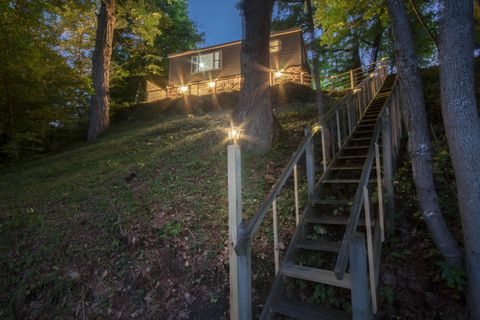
(455, 276)
(39, 90)
(148, 31)
(171, 229)
(387, 294)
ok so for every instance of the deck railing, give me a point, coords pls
(349, 79)
(341, 121)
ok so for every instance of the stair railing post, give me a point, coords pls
(352, 81)
(240, 263)
(339, 136)
(361, 307)
(388, 171)
(310, 163)
(324, 150)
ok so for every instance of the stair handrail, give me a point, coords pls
(384, 119)
(248, 229)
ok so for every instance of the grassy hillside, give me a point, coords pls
(133, 225)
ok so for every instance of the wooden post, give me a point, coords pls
(339, 136)
(240, 263)
(276, 253)
(388, 171)
(380, 192)
(310, 163)
(371, 265)
(324, 151)
(352, 81)
(361, 309)
(295, 187)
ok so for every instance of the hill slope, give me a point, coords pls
(132, 225)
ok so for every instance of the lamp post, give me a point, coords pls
(240, 267)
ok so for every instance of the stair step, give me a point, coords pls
(333, 220)
(294, 308)
(315, 275)
(319, 245)
(361, 139)
(350, 168)
(345, 181)
(355, 147)
(352, 157)
(335, 202)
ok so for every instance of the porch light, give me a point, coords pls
(211, 84)
(183, 89)
(278, 74)
(201, 66)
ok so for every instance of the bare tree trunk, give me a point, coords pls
(319, 98)
(377, 41)
(253, 111)
(462, 127)
(102, 55)
(419, 145)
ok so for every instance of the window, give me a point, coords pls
(206, 62)
(275, 46)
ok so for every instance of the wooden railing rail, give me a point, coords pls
(388, 127)
(341, 121)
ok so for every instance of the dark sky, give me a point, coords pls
(218, 19)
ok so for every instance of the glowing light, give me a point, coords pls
(183, 89)
(201, 65)
(278, 74)
(234, 134)
(211, 84)
(316, 128)
(357, 90)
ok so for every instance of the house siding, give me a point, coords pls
(291, 54)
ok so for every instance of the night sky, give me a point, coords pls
(218, 19)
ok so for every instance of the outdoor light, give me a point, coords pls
(183, 89)
(278, 74)
(316, 128)
(372, 75)
(202, 65)
(211, 84)
(234, 134)
(357, 90)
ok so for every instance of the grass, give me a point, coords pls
(133, 225)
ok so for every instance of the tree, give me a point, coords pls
(419, 146)
(253, 111)
(146, 32)
(462, 128)
(319, 98)
(102, 55)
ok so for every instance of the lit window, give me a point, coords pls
(206, 62)
(275, 46)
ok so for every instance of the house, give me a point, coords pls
(217, 69)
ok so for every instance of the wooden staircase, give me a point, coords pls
(337, 243)
(333, 197)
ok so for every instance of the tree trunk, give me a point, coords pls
(419, 145)
(377, 41)
(356, 61)
(102, 55)
(462, 127)
(319, 97)
(253, 111)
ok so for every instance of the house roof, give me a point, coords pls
(232, 43)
